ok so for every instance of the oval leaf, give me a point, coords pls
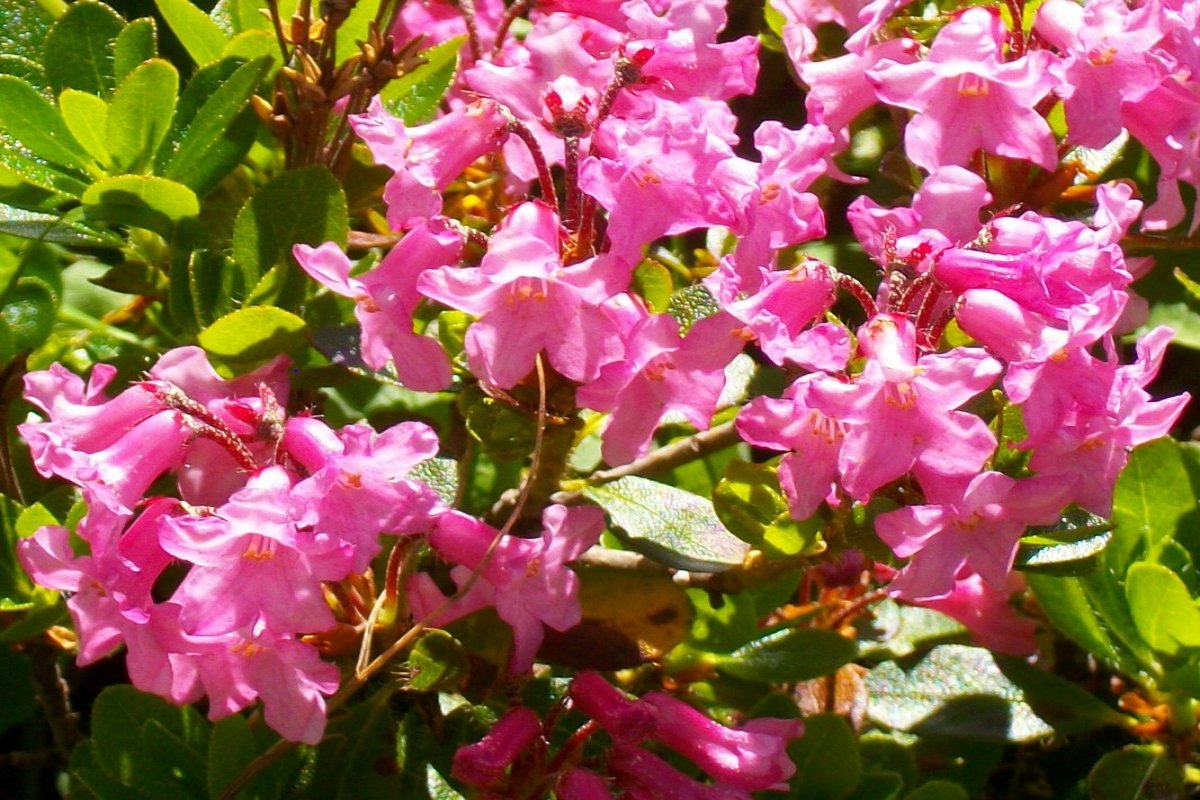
(78, 49)
(137, 43)
(1162, 608)
(155, 204)
(86, 116)
(253, 334)
(955, 691)
(827, 762)
(140, 114)
(797, 654)
(34, 122)
(200, 36)
(1136, 773)
(674, 527)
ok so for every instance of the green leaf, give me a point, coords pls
(31, 183)
(303, 206)
(1068, 548)
(78, 49)
(140, 114)
(1155, 501)
(254, 333)
(16, 687)
(125, 722)
(1139, 772)
(676, 528)
(787, 656)
(86, 115)
(29, 71)
(653, 282)
(1192, 287)
(213, 127)
(357, 758)
(66, 230)
(251, 44)
(414, 97)
(232, 747)
(142, 201)
(201, 37)
(826, 758)
(437, 662)
(27, 312)
(439, 474)
(690, 305)
(878, 786)
(1163, 610)
(1065, 602)
(504, 432)
(955, 691)
(1067, 706)
(750, 503)
(23, 28)
(355, 28)
(32, 120)
(137, 43)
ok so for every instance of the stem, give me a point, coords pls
(539, 158)
(52, 695)
(857, 291)
(570, 214)
(510, 15)
(90, 323)
(467, 7)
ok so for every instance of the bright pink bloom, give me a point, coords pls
(484, 763)
(1109, 60)
(252, 561)
(427, 158)
(526, 580)
(627, 721)
(988, 613)
(977, 527)
(386, 298)
(899, 412)
(752, 756)
(967, 99)
(358, 485)
(287, 675)
(661, 372)
(644, 776)
(528, 302)
(581, 784)
(808, 472)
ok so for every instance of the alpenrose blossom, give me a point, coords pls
(967, 99)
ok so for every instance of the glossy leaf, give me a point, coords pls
(414, 97)
(1068, 548)
(437, 662)
(67, 229)
(1140, 772)
(213, 127)
(23, 28)
(142, 201)
(751, 505)
(78, 49)
(138, 42)
(628, 618)
(954, 690)
(302, 206)
(788, 656)
(86, 117)
(254, 333)
(200, 36)
(1162, 608)
(677, 528)
(140, 114)
(34, 122)
(1155, 500)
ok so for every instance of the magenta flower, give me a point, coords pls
(252, 561)
(427, 158)
(661, 372)
(484, 763)
(966, 99)
(386, 298)
(987, 612)
(526, 580)
(977, 527)
(527, 302)
(899, 412)
(644, 776)
(752, 757)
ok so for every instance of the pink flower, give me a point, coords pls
(252, 561)
(988, 613)
(899, 412)
(644, 776)
(526, 580)
(661, 372)
(977, 527)
(386, 298)
(527, 302)
(967, 99)
(427, 158)
(485, 762)
(752, 757)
